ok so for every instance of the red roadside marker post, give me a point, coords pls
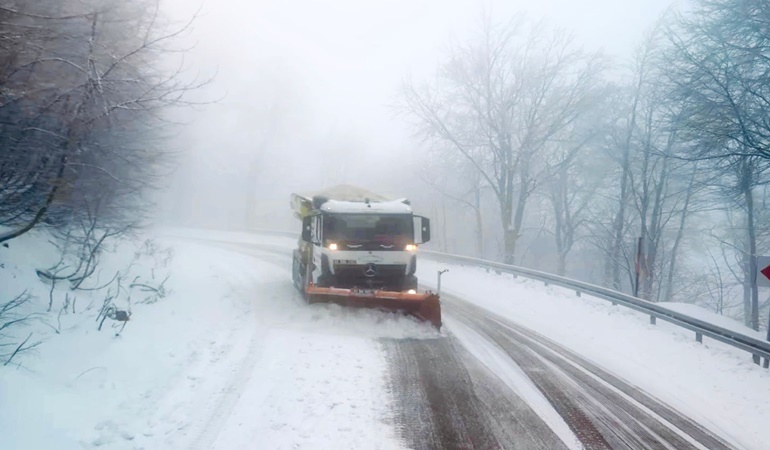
(762, 279)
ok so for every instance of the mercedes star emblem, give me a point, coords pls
(370, 270)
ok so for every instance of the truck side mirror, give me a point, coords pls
(307, 226)
(421, 229)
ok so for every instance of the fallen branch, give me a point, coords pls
(21, 348)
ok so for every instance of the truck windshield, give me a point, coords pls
(380, 228)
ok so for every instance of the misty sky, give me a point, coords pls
(308, 85)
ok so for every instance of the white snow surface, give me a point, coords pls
(389, 207)
(715, 384)
(231, 359)
(701, 313)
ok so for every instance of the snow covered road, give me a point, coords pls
(443, 396)
(603, 411)
(236, 360)
(291, 376)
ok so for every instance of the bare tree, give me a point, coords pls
(455, 179)
(570, 183)
(499, 100)
(81, 124)
(719, 71)
(686, 209)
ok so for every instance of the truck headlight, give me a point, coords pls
(332, 246)
(410, 247)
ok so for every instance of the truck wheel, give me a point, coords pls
(296, 272)
(299, 275)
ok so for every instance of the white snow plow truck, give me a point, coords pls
(359, 248)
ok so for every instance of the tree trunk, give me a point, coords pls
(506, 217)
(561, 267)
(479, 225)
(678, 240)
(518, 217)
(618, 229)
(57, 182)
(746, 293)
(509, 241)
(752, 262)
(560, 204)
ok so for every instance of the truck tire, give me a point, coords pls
(299, 274)
(295, 270)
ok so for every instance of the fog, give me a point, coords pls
(620, 143)
(303, 93)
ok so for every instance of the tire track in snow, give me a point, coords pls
(445, 399)
(228, 398)
(241, 372)
(589, 398)
(443, 396)
(215, 431)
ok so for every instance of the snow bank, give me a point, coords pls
(701, 313)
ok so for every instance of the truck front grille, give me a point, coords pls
(368, 275)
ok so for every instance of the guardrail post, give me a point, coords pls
(545, 283)
(578, 293)
(515, 276)
(766, 364)
(438, 287)
(699, 337)
(652, 320)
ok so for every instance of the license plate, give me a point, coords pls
(363, 292)
(344, 261)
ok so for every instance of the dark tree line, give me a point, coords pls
(84, 90)
(83, 87)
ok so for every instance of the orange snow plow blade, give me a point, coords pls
(424, 306)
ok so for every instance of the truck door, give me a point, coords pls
(421, 229)
(316, 238)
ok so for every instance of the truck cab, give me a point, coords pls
(360, 244)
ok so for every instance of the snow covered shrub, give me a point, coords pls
(152, 263)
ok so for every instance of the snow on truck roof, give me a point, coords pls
(346, 198)
(389, 207)
(350, 193)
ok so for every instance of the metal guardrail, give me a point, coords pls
(758, 348)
